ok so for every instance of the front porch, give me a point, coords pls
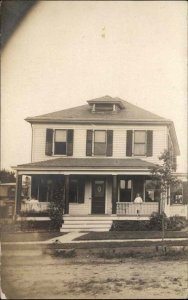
(88, 195)
(94, 190)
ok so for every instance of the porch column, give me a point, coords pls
(66, 194)
(114, 193)
(18, 193)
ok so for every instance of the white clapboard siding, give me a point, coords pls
(79, 145)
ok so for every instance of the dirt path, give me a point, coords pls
(46, 277)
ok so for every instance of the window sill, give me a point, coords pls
(59, 155)
(73, 203)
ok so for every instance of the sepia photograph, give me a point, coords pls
(93, 150)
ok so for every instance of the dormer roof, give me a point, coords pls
(106, 100)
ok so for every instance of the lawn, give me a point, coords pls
(28, 236)
(123, 235)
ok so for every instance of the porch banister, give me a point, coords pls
(18, 193)
(66, 194)
(114, 193)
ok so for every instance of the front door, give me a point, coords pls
(98, 196)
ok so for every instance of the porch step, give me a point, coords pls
(86, 223)
(89, 217)
(84, 230)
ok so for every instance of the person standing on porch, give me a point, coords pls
(138, 199)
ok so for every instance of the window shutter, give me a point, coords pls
(70, 136)
(89, 142)
(185, 192)
(81, 190)
(109, 149)
(49, 141)
(129, 143)
(149, 151)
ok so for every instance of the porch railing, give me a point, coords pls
(34, 206)
(134, 209)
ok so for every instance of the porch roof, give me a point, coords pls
(88, 163)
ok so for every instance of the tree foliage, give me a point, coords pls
(7, 176)
(164, 173)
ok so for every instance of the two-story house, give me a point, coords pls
(102, 153)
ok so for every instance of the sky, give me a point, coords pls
(66, 52)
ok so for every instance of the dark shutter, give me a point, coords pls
(185, 192)
(49, 141)
(129, 143)
(149, 151)
(81, 190)
(109, 149)
(89, 142)
(70, 136)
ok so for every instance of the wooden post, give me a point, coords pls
(18, 193)
(66, 194)
(114, 193)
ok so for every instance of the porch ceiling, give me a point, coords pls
(68, 163)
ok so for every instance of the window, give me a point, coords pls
(140, 143)
(152, 191)
(100, 142)
(125, 190)
(103, 107)
(177, 194)
(76, 190)
(60, 142)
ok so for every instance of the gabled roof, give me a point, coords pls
(83, 114)
(84, 163)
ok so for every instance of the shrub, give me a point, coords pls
(171, 223)
(155, 222)
(177, 223)
(56, 207)
(129, 225)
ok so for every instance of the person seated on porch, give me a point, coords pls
(33, 200)
(138, 199)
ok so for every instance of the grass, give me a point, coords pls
(28, 236)
(123, 235)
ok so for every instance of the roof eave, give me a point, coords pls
(102, 121)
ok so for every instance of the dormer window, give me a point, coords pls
(103, 107)
(106, 104)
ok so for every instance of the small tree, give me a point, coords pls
(164, 175)
(56, 206)
(7, 176)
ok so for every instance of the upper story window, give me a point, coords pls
(99, 142)
(139, 143)
(59, 142)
